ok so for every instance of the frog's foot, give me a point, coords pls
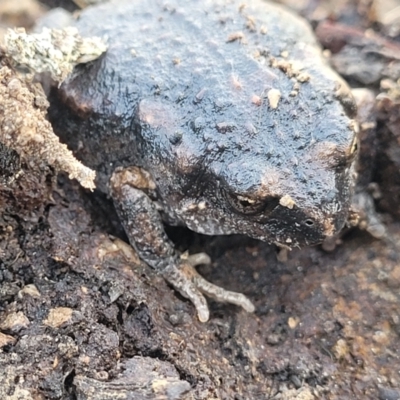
(190, 284)
(365, 216)
(130, 190)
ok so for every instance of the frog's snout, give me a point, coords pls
(298, 227)
(325, 224)
(330, 228)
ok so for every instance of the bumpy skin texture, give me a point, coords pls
(231, 109)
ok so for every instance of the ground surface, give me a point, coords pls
(82, 318)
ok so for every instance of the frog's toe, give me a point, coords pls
(200, 303)
(192, 285)
(203, 286)
(182, 278)
(224, 296)
(197, 259)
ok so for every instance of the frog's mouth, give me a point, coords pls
(295, 228)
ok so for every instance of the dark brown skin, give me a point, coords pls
(235, 120)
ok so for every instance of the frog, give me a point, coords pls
(222, 116)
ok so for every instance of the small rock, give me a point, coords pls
(15, 322)
(58, 316)
(5, 340)
(388, 394)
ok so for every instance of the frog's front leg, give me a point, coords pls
(130, 190)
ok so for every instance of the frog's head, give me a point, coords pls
(299, 202)
(292, 184)
(285, 176)
(289, 194)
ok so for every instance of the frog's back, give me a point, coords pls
(179, 51)
(198, 70)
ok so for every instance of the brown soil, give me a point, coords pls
(82, 318)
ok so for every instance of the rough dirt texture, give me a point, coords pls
(55, 51)
(82, 318)
(24, 128)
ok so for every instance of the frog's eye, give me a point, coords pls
(346, 160)
(248, 206)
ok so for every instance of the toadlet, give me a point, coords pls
(218, 115)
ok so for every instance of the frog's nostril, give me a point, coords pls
(309, 222)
